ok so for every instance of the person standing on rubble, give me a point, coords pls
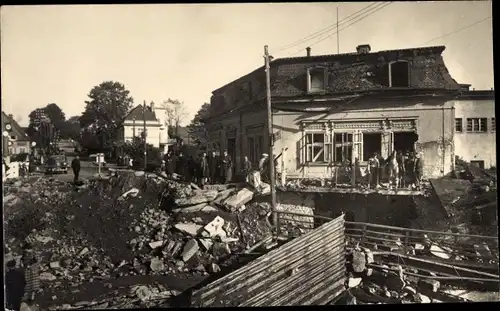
(31, 274)
(263, 169)
(75, 166)
(373, 171)
(180, 166)
(227, 168)
(212, 167)
(170, 164)
(204, 170)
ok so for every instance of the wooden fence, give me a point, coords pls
(309, 270)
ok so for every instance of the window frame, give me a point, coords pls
(461, 125)
(476, 121)
(493, 126)
(325, 145)
(390, 72)
(310, 71)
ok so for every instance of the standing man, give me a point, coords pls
(373, 170)
(203, 168)
(75, 165)
(247, 167)
(418, 168)
(31, 273)
(227, 168)
(263, 169)
(212, 167)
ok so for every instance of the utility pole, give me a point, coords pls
(145, 135)
(270, 138)
(338, 39)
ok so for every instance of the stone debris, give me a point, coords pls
(189, 250)
(191, 229)
(234, 202)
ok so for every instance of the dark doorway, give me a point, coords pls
(372, 142)
(405, 141)
(478, 163)
(231, 150)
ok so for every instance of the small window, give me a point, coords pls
(459, 125)
(316, 147)
(399, 74)
(343, 147)
(316, 80)
(13, 137)
(476, 125)
(493, 125)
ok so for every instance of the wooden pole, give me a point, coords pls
(145, 135)
(270, 139)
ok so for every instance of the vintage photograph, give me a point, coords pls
(248, 154)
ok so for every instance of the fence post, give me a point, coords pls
(363, 234)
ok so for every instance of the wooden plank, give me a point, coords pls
(346, 190)
(295, 267)
(278, 256)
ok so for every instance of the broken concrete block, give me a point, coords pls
(214, 228)
(223, 196)
(209, 209)
(242, 197)
(188, 228)
(83, 251)
(157, 265)
(206, 243)
(190, 209)
(439, 252)
(155, 244)
(199, 196)
(189, 250)
(353, 282)
(428, 285)
(214, 268)
(358, 261)
(46, 276)
(55, 265)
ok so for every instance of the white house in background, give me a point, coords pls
(153, 118)
(475, 128)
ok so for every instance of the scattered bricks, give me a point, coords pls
(157, 265)
(358, 261)
(214, 228)
(188, 228)
(189, 250)
(427, 285)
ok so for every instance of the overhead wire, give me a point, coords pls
(322, 31)
(458, 30)
(372, 11)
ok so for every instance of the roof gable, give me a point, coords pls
(141, 113)
(17, 130)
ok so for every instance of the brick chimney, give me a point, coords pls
(308, 49)
(363, 49)
(152, 105)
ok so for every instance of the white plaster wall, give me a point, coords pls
(152, 138)
(476, 146)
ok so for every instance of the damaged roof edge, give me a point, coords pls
(431, 49)
(477, 94)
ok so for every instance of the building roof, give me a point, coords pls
(140, 113)
(17, 130)
(477, 95)
(353, 57)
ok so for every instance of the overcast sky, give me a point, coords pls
(58, 53)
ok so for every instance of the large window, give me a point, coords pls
(459, 127)
(477, 125)
(372, 142)
(343, 147)
(318, 147)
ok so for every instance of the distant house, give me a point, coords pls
(17, 141)
(142, 117)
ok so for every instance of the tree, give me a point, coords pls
(71, 128)
(108, 105)
(197, 127)
(56, 115)
(176, 112)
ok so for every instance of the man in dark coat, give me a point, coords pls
(213, 167)
(75, 165)
(227, 168)
(181, 166)
(203, 169)
(15, 283)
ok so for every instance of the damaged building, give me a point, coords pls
(332, 108)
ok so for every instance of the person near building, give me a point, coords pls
(263, 168)
(247, 167)
(418, 169)
(393, 169)
(400, 158)
(213, 166)
(75, 166)
(180, 166)
(227, 168)
(381, 168)
(373, 171)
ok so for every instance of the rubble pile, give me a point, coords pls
(372, 282)
(130, 224)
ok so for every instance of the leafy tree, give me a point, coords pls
(197, 127)
(108, 105)
(56, 115)
(71, 129)
(176, 112)
(135, 149)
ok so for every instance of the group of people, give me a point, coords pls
(400, 168)
(212, 168)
